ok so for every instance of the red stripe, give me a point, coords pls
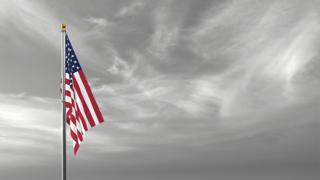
(83, 122)
(76, 148)
(73, 135)
(68, 121)
(79, 136)
(68, 93)
(73, 119)
(69, 112)
(78, 122)
(72, 105)
(89, 92)
(67, 81)
(75, 110)
(84, 104)
(68, 105)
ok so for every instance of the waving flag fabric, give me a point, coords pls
(82, 111)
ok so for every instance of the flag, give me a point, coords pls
(82, 111)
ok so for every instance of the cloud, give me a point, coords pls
(100, 22)
(29, 124)
(258, 49)
(130, 9)
(41, 25)
(184, 86)
(119, 66)
(32, 18)
(165, 34)
(31, 129)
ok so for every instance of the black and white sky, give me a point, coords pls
(189, 89)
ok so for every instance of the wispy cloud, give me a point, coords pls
(165, 34)
(255, 52)
(32, 18)
(218, 84)
(28, 122)
(31, 126)
(130, 9)
(100, 22)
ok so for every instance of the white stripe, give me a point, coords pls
(79, 126)
(68, 99)
(75, 142)
(73, 127)
(80, 122)
(86, 97)
(68, 88)
(79, 103)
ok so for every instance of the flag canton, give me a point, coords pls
(72, 63)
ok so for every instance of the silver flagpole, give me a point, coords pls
(63, 77)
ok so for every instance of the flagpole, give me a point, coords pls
(64, 155)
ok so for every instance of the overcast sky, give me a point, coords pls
(189, 89)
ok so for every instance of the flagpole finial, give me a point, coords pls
(63, 27)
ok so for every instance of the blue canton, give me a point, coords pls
(72, 63)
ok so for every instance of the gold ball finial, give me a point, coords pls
(63, 27)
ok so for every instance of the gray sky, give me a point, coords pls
(189, 89)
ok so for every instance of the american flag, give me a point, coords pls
(82, 111)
